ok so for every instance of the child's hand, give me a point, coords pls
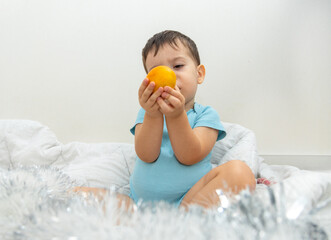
(171, 102)
(148, 99)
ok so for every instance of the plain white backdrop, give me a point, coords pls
(75, 65)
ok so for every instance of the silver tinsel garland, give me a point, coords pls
(37, 203)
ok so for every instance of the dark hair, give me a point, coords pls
(169, 37)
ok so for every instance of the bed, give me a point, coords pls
(38, 173)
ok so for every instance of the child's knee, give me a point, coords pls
(233, 167)
(239, 173)
(239, 167)
(244, 173)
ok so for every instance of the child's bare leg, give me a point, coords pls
(97, 192)
(232, 176)
(125, 201)
(122, 200)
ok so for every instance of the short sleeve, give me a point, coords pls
(140, 119)
(208, 117)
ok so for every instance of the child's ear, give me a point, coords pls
(201, 73)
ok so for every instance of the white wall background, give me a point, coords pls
(75, 65)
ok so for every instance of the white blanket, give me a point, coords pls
(28, 143)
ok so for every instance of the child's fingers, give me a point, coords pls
(143, 87)
(176, 100)
(147, 92)
(164, 107)
(174, 92)
(152, 99)
(162, 103)
(155, 107)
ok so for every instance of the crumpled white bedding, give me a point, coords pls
(28, 143)
(24, 142)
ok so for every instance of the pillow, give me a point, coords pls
(102, 165)
(239, 144)
(25, 142)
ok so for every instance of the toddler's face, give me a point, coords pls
(181, 62)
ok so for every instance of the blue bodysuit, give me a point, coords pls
(167, 179)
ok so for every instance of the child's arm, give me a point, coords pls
(148, 135)
(190, 145)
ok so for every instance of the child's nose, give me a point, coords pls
(178, 86)
(178, 83)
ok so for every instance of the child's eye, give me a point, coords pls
(178, 66)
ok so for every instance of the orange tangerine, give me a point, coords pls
(162, 76)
